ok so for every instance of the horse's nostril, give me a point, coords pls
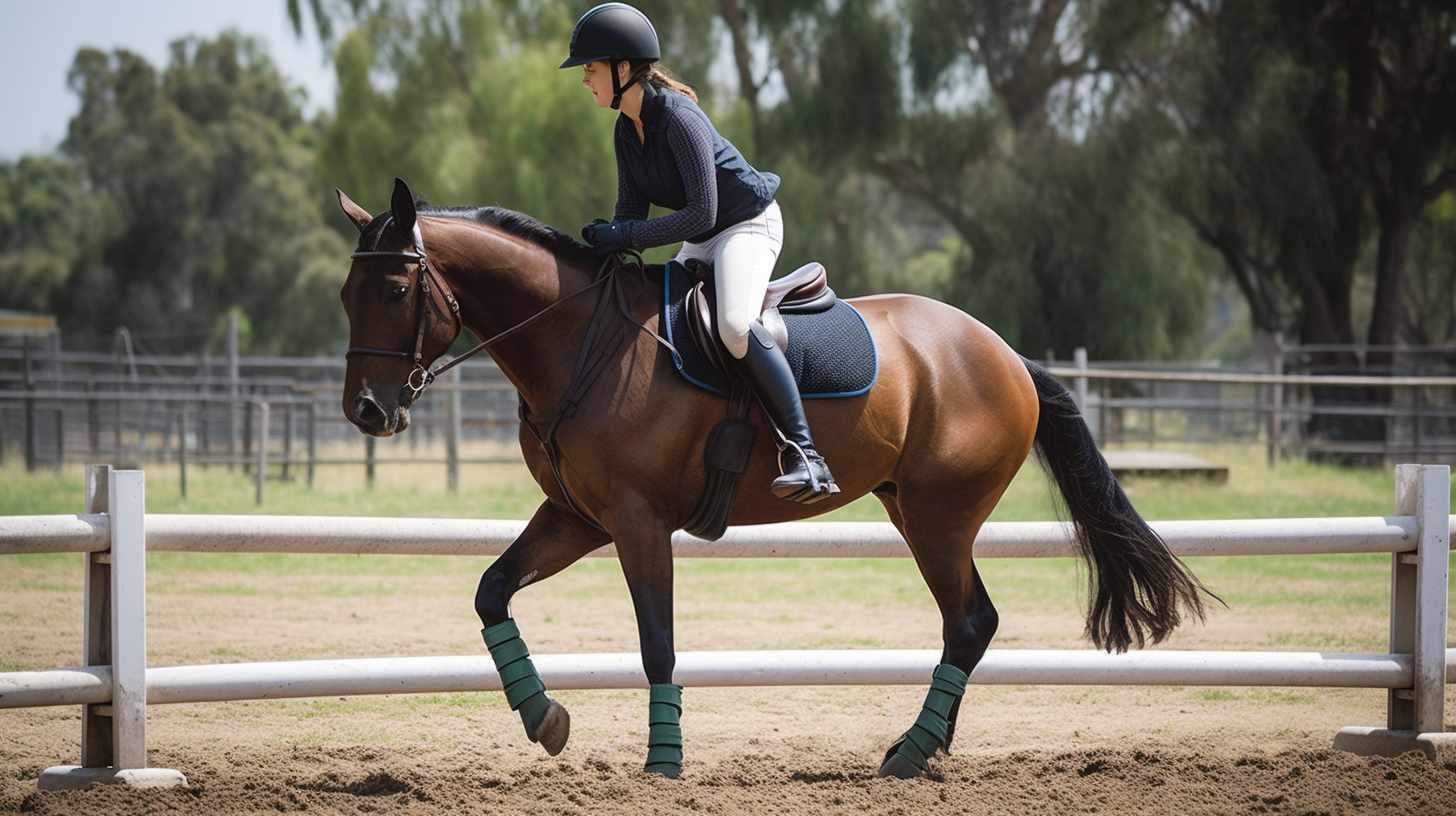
(369, 414)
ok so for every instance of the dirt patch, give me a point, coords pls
(1044, 750)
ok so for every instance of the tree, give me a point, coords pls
(204, 170)
(1023, 137)
(45, 228)
(472, 110)
(1310, 133)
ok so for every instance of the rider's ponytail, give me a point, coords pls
(650, 72)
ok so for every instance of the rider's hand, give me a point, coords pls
(607, 237)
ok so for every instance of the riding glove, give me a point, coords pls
(607, 237)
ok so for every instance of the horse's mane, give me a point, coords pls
(512, 223)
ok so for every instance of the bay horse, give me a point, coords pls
(937, 439)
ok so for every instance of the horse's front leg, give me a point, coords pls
(554, 539)
(646, 558)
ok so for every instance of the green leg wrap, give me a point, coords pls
(910, 756)
(664, 730)
(524, 689)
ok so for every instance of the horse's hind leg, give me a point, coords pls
(553, 540)
(969, 620)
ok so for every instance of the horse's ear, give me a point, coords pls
(356, 213)
(402, 204)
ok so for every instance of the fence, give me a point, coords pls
(1401, 410)
(115, 686)
(279, 418)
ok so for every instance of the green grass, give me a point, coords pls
(1295, 489)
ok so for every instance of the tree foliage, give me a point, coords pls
(1314, 139)
(186, 193)
(1075, 172)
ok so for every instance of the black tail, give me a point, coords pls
(1138, 589)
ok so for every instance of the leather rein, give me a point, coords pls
(421, 376)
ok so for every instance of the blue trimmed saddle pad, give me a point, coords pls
(831, 351)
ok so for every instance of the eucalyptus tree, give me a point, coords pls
(202, 170)
(1316, 149)
(1024, 135)
(47, 224)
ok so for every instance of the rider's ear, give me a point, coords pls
(402, 204)
(356, 213)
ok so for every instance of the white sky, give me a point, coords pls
(39, 39)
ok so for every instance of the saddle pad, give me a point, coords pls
(831, 352)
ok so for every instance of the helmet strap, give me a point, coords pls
(617, 87)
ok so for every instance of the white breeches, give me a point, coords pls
(743, 258)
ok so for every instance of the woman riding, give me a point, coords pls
(724, 213)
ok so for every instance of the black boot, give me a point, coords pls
(806, 478)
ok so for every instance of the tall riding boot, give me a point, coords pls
(806, 478)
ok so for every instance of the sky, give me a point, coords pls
(39, 39)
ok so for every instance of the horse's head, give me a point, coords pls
(400, 320)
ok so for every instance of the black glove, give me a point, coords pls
(586, 230)
(607, 237)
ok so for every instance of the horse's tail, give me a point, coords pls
(1138, 589)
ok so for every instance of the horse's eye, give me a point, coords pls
(398, 292)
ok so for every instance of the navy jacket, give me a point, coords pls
(685, 166)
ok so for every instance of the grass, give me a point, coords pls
(1294, 490)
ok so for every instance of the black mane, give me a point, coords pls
(511, 223)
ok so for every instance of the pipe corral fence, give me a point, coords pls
(279, 418)
(115, 685)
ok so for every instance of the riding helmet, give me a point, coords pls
(613, 32)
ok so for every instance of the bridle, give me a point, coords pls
(421, 376)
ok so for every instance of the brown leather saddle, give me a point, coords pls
(805, 290)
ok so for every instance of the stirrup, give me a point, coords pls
(808, 481)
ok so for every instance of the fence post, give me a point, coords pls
(96, 628)
(182, 450)
(1415, 719)
(262, 449)
(312, 451)
(452, 432)
(114, 735)
(1276, 400)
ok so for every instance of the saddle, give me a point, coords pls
(803, 291)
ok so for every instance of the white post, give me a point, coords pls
(1415, 719)
(1431, 564)
(121, 626)
(128, 619)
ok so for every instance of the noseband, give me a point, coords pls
(419, 377)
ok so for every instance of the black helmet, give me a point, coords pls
(614, 32)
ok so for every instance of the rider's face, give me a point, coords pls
(597, 77)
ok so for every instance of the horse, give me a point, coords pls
(938, 438)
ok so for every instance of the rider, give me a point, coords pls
(669, 154)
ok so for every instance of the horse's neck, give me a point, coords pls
(501, 282)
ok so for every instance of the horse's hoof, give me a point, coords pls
(554, 728)
(671, 770)
(899, 767)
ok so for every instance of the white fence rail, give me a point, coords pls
(115, 685)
